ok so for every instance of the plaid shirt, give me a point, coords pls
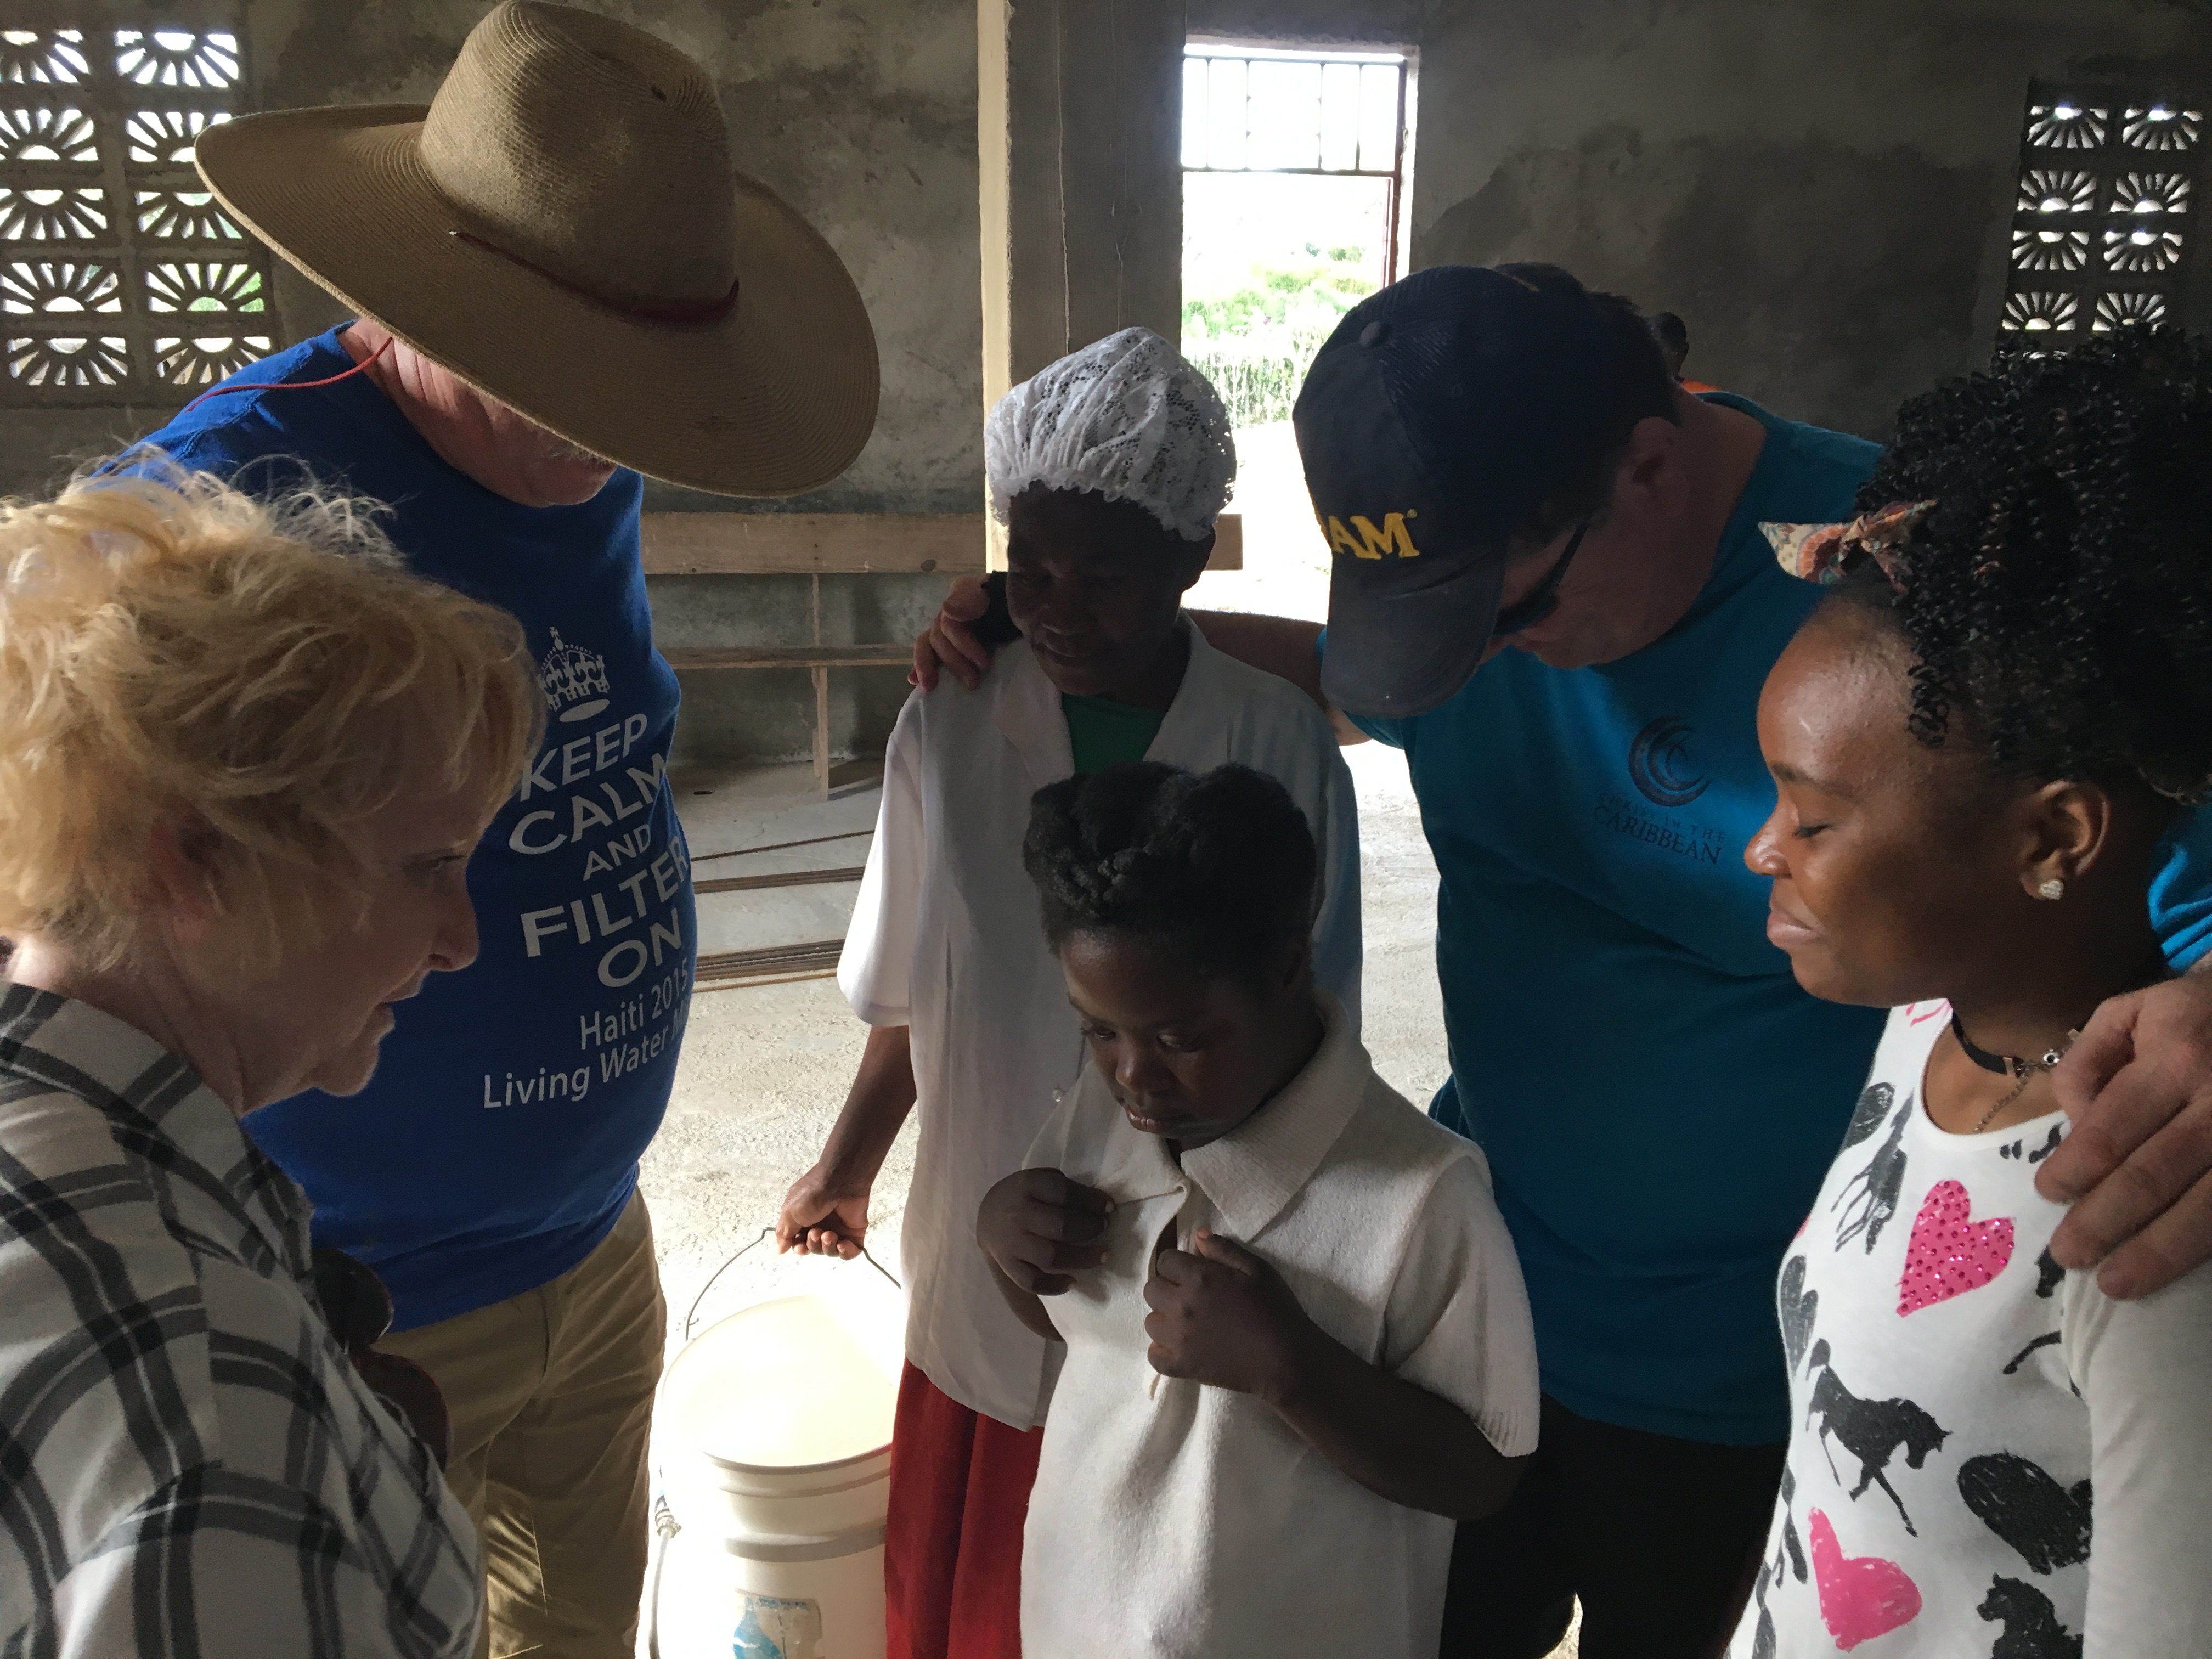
(188, 1464)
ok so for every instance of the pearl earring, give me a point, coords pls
(2052, 889)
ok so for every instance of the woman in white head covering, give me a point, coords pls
(1108, 469)
(1127, 418)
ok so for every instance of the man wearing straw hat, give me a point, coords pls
(561, 283)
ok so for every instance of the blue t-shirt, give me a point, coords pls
(499, 1140)
(1658, 1099)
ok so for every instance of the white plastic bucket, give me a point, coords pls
(775, 1430)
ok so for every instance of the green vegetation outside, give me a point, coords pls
(1255, 341)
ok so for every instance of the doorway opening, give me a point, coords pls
(1295, 165)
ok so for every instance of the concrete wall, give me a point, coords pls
(1823, 190)
(859, 112)
(1082, 181)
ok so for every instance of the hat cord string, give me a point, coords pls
(362, 366)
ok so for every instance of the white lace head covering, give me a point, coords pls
(1125, 417)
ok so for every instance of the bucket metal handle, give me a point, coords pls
(767, 1233)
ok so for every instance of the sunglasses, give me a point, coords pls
(358, 1309)
(1543, 599)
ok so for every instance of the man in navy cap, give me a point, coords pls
(1511, 481)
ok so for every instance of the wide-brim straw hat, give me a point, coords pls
(562, 227)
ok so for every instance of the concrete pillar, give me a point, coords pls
(1079, 138)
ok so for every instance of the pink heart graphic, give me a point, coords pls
(1949, 1255)
(1861, 1596)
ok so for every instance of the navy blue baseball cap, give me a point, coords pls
(1445, 418)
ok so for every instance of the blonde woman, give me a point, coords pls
(246, 759)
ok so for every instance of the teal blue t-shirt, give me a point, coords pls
(1658, 1099)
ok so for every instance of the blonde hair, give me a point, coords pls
(261, 676)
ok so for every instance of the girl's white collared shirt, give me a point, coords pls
(1171, 1520)
(945, 940)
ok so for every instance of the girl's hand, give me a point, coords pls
(1040, 1228)
(1225, 1317)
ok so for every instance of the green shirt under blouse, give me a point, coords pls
(1102, 733)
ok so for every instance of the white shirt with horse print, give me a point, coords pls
(1959, 1397)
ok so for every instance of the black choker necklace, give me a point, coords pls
(2022, 1072)
(2007, 1065)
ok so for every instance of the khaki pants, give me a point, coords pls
(552, 1399)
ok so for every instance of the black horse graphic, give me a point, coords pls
(1874, 1103)
(1868, 1199)
(2032, 1629)
(2049, 1338)
(1872, 1431)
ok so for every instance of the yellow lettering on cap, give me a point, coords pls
(1393, 538)
(1364, 541)
(1368, 542)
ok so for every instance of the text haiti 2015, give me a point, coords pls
(547, 1085)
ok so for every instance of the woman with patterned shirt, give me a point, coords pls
(1978, 741)
(247, 759)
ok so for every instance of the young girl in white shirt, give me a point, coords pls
(1978, 741)
(1297, 1345)
(1109, 468)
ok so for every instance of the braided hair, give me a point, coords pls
(1217, 869)
(2057, 593)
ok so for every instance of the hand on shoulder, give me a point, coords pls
(949, 644)
(2138, 1163)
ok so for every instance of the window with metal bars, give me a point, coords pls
(2103, 223)
(121, 278)
(1255, 110)
(1294, 166)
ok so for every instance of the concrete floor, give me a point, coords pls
(765, 1068)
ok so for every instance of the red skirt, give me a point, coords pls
(952, 1541)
